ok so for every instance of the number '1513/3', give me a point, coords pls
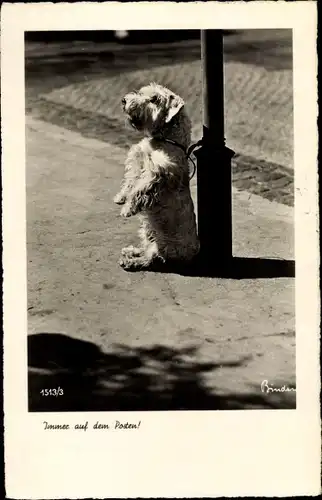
(52, 392)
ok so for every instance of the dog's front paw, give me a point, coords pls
(127, 210)
(119, 199)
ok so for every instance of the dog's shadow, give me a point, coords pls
(233, 268)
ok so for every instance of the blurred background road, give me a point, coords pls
(76, 80)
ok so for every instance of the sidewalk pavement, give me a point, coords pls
(91, 78)
(157, 341)
(259, 107)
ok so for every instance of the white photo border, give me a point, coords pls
(175, 454)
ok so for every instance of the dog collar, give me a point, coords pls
(186, 151)
(170, 141)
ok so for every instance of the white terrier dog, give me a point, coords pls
(156, 179)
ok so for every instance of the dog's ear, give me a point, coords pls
(175, 104)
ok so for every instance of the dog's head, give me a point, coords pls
(152, 107)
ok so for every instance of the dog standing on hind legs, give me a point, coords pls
(156, 179)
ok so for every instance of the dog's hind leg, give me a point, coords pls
(133, 263)
(132, 252)
(147, 257)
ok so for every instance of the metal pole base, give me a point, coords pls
(214, 191)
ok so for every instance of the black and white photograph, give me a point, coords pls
(186, 138)
(164, 187)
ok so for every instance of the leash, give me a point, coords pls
(188, 152)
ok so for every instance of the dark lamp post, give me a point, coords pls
(214, 182)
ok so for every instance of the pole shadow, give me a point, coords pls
(234, 268)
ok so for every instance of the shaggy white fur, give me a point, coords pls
(156, 179)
